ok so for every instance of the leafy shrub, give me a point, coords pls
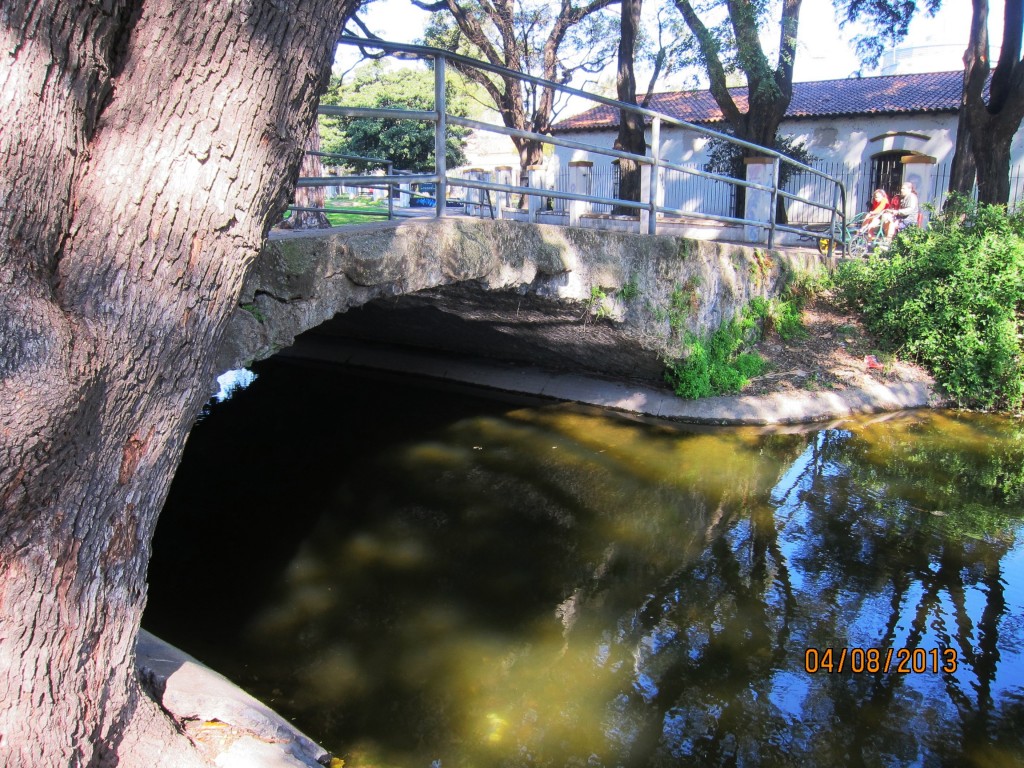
(716, 365)
(952, 297)
(779, 315)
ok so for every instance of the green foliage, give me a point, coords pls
(779, 315)
(803, 285)
(727, 159)
(682, 302)
(952, 297)
(409, 144)
(717, 364)
(630, 290)
(255, 311)
(597, 306)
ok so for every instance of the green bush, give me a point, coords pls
(716, 365)
(952, 298)
(779, 315)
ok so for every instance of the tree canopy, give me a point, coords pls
(728, 35)
(409, 144)
(992, 100)
(539, 38)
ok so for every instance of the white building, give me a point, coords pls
(872, 132)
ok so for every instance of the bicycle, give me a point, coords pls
(854, 240)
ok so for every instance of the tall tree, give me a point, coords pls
(524, 36)
(994, 113)
(631, 125)
(662, 52)
(736, 45)
(146, 146)
(998, 119)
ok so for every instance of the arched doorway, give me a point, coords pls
(887, 171)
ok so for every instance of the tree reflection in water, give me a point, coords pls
(557, 587)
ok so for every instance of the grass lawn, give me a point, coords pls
(355, 211)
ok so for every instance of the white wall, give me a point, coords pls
(850, 143)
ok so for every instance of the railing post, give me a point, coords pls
(657, 176)
(389, 168)
(503, 175)
(757, 207)
(580, 174)
(440, 139)
(774, 206)
(832, 222)
(533, 199)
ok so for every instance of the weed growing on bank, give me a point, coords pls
(720, 364)
(952, 297)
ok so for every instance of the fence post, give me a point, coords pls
(580, 173)
(534, 199)
(657, 177)
(440, 139)
(757, 207)
(773, 207)
(390, 170)
(503, 175)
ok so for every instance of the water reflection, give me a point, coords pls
(481, 584)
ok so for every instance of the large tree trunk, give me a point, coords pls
(962, 171)
(993, 165)
(145, 148)
(311, 197)
(631, 125)
(531, 154)
(998, 120)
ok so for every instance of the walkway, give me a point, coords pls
(789, 408)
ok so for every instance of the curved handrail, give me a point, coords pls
(649, 207)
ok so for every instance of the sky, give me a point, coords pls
(825, 52)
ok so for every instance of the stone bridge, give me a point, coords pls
(566, 298)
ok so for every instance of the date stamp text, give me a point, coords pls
(902, 661)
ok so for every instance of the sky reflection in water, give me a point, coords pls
(422, 575)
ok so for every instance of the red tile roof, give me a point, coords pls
(886, 95)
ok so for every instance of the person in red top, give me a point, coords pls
(872, 225)
(905, 214)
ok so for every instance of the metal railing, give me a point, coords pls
(653, 165)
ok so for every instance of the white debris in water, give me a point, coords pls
(232, 381)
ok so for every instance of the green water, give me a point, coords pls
(427, 577)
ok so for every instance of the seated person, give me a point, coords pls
(873, 222)
(905, 214)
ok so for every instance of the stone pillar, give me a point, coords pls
(760, 170)
(403, 195)
(475, 197)
(647, 173)
(533, 201)
(919, 170)
(502, 175)
(581, 174)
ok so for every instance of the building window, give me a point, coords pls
(887, 172)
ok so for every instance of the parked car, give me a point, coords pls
(429, 188)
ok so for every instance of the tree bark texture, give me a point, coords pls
(145, 148)
(631, 125)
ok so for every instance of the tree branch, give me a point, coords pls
(709, 50)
